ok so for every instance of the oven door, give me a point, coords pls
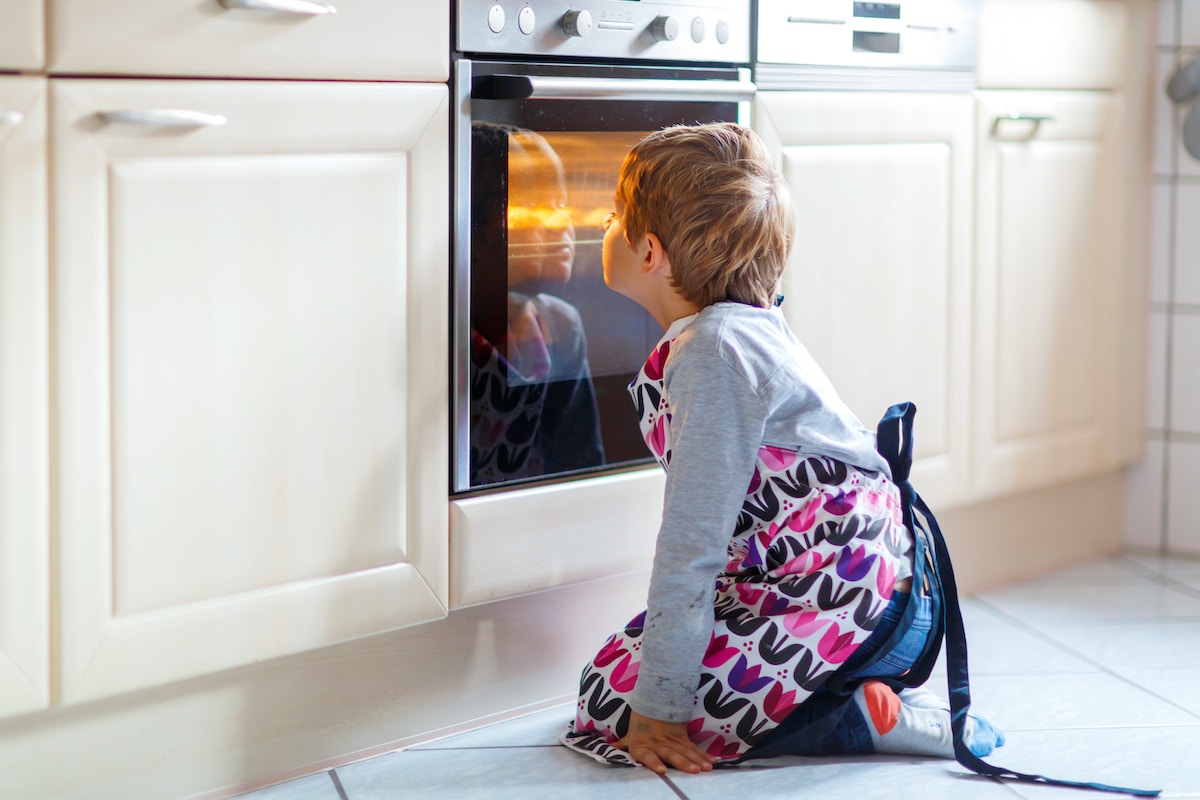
(544, 350)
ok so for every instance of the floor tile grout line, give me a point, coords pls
(671, 785)
(337, 784)
(1076, 654)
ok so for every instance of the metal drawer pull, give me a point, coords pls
(12, 118)
(163, 117)
(308, 8)
(1036, 119)
(817, 21)
(521, 87)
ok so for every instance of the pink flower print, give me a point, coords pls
(722, 750)
(719, 651)
(779, 703)
(612, 650)
(755, 481)
(748, 595)
(803, 518)
(853, 565)
(624, 677)
(835, 646)
(658, 435)
(656, 362)
(804, 623)
(885, 579)
(806, 563)
(776, 458)
(842, 503)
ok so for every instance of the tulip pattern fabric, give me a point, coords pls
(812, 561)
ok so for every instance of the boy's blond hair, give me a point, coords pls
(718, 205)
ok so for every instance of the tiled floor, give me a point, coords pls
(1093, 673)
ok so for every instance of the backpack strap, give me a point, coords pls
(894, 440)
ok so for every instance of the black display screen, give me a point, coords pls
(877, 10)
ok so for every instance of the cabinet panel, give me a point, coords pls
(1053, 44)
(879, 280)
(21, 36)
(1049, 247)
(364, 39)
(24, 403)
(252, 338)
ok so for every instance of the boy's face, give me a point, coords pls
(622, 263)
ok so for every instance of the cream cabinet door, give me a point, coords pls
(1049, 243)
(21, 35)
(878, 283)
(24, 402)
(251, 342)
(342, 39)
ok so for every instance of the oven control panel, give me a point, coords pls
(643, 30)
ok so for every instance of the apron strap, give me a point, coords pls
(894, 440)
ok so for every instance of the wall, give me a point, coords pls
(1162, 506)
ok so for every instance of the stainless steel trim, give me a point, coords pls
(558, 88)
(460, 468)
(163, 117)
(307, 8)
(817, 21)
(806, 77)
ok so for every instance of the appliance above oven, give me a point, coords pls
(924, 45)
(684, 31)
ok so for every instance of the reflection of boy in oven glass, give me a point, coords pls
(821, 626)
(533, 408)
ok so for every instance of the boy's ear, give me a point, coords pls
(656, 261)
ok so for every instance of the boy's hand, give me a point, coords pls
(657, 744)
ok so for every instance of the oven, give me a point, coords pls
(550, 97)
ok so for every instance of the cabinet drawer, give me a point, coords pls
(364, 39)
(21, 35)
(1052, 44)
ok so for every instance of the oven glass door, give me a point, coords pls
(545, 350)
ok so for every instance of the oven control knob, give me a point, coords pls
(664, 28)
(577, 23)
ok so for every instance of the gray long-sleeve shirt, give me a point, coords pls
(736, 379)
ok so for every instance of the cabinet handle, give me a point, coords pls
(163, 118)
(1036, 119)
(12, 118)
(308, 8)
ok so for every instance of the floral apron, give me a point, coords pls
(812, 561)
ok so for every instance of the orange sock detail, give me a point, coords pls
(883, 705)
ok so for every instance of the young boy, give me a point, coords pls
(783, 580)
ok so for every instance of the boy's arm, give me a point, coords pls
(716, 430)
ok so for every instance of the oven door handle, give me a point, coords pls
(537, 87)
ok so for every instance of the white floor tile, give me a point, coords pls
(1136, 758)
(532, 730)
(1185, 333)
(855, 778)
(1139, 599)
(510, 773)
(311, 787)
(996, 647)
(1018, 703)
(1180, 686)
(1134, 645)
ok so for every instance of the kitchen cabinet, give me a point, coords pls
(879, 282)
(362, 40)
(251, 342)
(1054, 44)
(1048, 263)
(21, 35)
(24, 405)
